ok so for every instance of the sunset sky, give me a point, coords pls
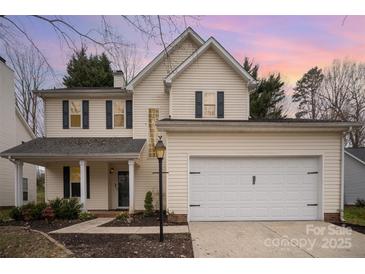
(287, 44)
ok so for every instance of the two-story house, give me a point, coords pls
(13, 131)
(220, 164)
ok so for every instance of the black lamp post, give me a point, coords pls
(160, 153)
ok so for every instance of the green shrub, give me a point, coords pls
(84, 216)
(360, 203)
(37, 211)
(66, 208)
(27, 212)
(56, 205)
(148, 206)
(48, 214)
(71, 208)
(15, 214)
(123, 216)
(4, 215)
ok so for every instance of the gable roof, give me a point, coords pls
(189, 32)
(356, 153)
(220, 50)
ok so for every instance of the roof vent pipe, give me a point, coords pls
(119, 80)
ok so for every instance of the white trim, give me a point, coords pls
(211, 42)
(354, 157)
(83, 179)
(320, 157)
(69, 113)
(188, 32)
(131, 185)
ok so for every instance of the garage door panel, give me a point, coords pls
(225, 189)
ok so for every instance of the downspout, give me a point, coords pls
(342, 177)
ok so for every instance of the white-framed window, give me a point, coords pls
(119, 113)
(25, 189)
(209, 104)
(75, 113)
(75, 181)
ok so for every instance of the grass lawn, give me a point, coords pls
(16, 242)
(355, 215)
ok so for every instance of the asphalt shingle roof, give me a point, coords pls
(77, 146)
(357, 152)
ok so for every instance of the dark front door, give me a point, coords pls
(123, 189)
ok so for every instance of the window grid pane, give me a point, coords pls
(210, 104)
(118, 120)
(75, 113)
(118, 108)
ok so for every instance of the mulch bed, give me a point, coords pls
(42, 225)
(140, 220)
(357, 228)
(127, 246)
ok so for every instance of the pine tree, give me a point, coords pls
(88, 71)
(306, 93)
(266, 100)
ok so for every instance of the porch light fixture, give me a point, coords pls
(160, 153)
(111, 170)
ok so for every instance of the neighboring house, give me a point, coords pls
(13, 131)
(220, 164)
(354, 175)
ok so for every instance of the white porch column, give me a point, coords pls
(131, 185)
(83, 184)
(18, 183)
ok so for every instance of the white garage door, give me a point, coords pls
(254, 188)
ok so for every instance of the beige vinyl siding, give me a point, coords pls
(209, 73)
(99, 190)
(7, 134)
(150, 94)
(12, 133)
(97, 121)
(181, 145)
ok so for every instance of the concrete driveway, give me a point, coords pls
(275, 239)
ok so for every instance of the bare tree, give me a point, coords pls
(342, 96)
(31, 73)
(158, 29)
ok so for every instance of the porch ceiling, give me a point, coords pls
(43, 150)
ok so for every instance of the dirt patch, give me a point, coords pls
(357, 228)
(140, 220)
(42, 225)
(17, 242)
(127, 246)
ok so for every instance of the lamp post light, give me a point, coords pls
(160, 153)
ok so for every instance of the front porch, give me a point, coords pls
(100, 172)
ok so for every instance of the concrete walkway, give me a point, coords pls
(275, 239)
(94, 227)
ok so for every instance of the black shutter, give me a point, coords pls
(88, 182)
(85, 114)
(129, 113)
(220, 104)
(66, 182)
(109, 114)
(65, 114)
(198, 104)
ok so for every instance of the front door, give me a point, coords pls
(123, 189)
